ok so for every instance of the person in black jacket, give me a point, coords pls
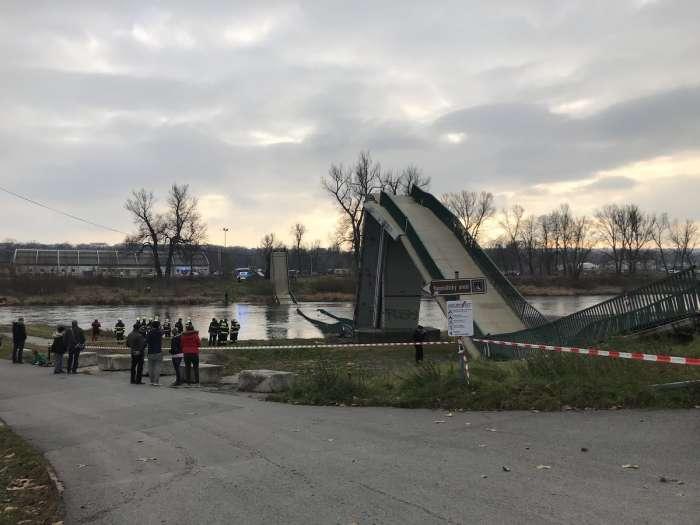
(213, 331)
(154, 341)
(176, 355)
(19, 336)
(77, 347)
(136, 341)
(58, 348)
(418, 338)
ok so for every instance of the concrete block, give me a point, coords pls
(209, 373)
(114, 362)
(265, 381)
(87, 359)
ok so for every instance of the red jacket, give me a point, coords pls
(189, 342)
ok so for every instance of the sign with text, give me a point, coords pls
(458, 286)
(460, 319)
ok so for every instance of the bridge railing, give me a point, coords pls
(529, 315)
(660, 302)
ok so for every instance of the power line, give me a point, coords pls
(75, 217)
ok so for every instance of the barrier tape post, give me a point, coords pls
(613, 354)
(464, 364)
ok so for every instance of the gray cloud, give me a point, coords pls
(252, 103)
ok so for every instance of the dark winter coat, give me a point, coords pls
(154, 340)
(176, 346)
(58, 346)
(78, 335)
(136, 342)
(69, 340)
(19, 332)
(419, 335)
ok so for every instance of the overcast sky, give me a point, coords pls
(539, 102)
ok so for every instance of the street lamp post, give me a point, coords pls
(225, 230)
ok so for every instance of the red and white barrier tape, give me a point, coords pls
(292, 347)
(655, 358)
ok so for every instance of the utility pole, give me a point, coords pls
(225, 230)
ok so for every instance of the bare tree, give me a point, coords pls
(511, 224)
(581, 245)
(350, 188)
(298, 232)
(684, 238)
(472, 209)
(610, 225)
(390, 182)
(636, 234)
(529, 239)
(183, 224)
(412, 176)
(659, 234)
(194, 234)
(150, 225)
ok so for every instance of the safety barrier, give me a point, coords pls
(637, 356)
(293, 347)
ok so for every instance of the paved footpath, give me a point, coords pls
(138, 454)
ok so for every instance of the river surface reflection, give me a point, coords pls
(258, 321)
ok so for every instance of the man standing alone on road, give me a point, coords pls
(418, 338)
(154, 340)
(136, 343)
(19, 336)
(78, 346)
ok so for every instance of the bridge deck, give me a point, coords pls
(492, 313)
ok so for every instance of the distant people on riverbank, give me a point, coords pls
(235, 328)
(213, 331)
(78, 336)
(95, 330)
(176, 355)
(154, 341)
(58, 348)
(179, 326)
(19, 336)
(418, 338)
(119, 330)
(190, 343)
(136, 341)
(167, 329)
(223, 331)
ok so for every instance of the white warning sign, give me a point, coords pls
(460, 319)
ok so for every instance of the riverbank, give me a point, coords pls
(28, 495)
(180, 291)
(544, 381)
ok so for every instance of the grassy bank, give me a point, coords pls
(386, 377)
(27, 494)
(112, 291)
(586, 284)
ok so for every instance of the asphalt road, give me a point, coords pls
(223, 458)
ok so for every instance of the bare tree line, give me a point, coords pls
(179, 229)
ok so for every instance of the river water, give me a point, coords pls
(258, 321)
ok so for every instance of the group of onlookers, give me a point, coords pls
(219, 331)
(184, 345)
(67, 340)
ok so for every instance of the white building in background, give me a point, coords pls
(100, 262)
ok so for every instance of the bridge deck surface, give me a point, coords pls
(492, 313)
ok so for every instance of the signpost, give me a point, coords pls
(458, 286)
(460, 319)
(460, 323)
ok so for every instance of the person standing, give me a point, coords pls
(154, 341)
(69, 345)
(176, 355)
(235, 328)
(179, 326)
(77, 347)
(19, 336)
(136, 343)
(190, 342)
(213, 331)
(223, 331)
(119, 330)
(58, 348)
(418, 338)
(95, 330)
(167, 330)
